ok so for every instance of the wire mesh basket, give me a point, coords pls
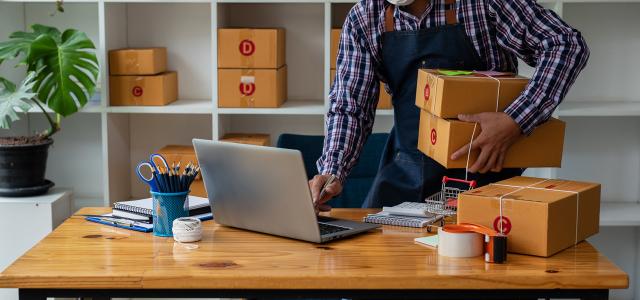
(445, 202)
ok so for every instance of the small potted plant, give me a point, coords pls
(62, 71)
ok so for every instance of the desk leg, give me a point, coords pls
(30, 295)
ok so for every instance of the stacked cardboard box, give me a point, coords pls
(252, 70)
(442, 96)
(140, 77)
(384, 100)
(186, 154)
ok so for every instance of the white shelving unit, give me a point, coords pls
(98, 147)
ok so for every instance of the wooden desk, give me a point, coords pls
(84, 259)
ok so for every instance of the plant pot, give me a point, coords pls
(22, 169)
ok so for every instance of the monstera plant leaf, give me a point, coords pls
(20, 42)
(12, 99)
(67, 70)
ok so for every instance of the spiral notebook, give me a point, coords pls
(386, 218)
(143, 208)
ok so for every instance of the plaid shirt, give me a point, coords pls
(500, 31)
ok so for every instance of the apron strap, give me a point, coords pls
(450, 12)
(388, 18)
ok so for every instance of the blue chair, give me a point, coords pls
(361, 178)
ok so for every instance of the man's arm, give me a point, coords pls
(541, 39)
(559, 53)
(353, 96)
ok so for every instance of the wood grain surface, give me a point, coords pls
(82, 254)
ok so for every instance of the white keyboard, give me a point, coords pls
(411, 209)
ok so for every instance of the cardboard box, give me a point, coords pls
(261, 88)
(439, 138)
(449, 96)
(153, 90)
(540, 216)
(184, 154)
(137, 61)
(249, 139)
(335, 42)
(251, 48)
(384, 100)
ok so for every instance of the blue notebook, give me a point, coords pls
(138, 226)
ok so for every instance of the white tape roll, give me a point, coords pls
(468, 244)
(187, 230)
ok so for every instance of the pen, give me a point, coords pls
(101, 217)
(325, 186)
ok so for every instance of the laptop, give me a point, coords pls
(265, 189)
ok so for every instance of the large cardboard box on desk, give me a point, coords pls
(259, 88)
(137, 61)
(440, 138)
(248, 138)
(384, 100)
(448, 96)
(153, 90)
(539, 216)
(251, 48)
(184, 154)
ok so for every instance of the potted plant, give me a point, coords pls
(61, 75)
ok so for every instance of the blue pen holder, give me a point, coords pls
(166, 208)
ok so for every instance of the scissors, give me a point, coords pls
(152, 180)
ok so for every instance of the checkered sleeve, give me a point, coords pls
(540, 38)
(353, 97)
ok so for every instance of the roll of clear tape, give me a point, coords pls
(467, 244)
(187, 230)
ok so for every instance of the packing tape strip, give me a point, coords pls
(247, 81)
(247, 48)
(187, 230)
(493, 244)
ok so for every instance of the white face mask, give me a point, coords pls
(400, 2)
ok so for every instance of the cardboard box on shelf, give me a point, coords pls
(137, 61)
(335, 41)
(184, 154)
(259, 88)
(258, 48)
(384, 100)
(248, 138)
(539, 216)
(448, 96)
(151, 90)
(439, 138)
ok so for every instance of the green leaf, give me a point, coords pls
(17, 100)
(7, 86)
(454, 72)
(20, 42)
(67, 70)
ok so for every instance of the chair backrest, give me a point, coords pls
(361, 178)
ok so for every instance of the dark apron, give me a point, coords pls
(406, 174)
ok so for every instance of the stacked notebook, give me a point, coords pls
(143, 209)
(405, 215)
(139, 213)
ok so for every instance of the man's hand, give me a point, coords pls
(499, 132)
(331, 191)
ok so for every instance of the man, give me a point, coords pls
(390, 40)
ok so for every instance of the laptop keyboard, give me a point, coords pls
(329, 229)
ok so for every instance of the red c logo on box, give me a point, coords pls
(247, 89)
(427, 92)
(506, 225)
(247, 47)
(137, 91)
(434, 136)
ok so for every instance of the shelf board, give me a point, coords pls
(179, 107)
(598, 109)
(157, 1)
(291, 107)
(90, 107)
(619, 214)
(384, 112)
